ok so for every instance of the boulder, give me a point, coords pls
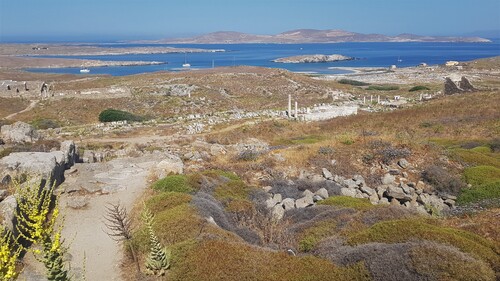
(277, 198)
(317, 198)
(7, 209)
(277, 212)
(388, 179)
(348, 192)
(47, 165)
(326, 174)
(384, 201)
(172, 164)
(432, 201)
(374, 198)
(350, 183)
(367, 190)
(270, 202)
(322, 192)
(304, 202)
(359, 180)
(88, 156)
(288, 203)
(217, 149)
(307, 193)
(397, 193)
(19, 132)
(403, 163)
(70, 152)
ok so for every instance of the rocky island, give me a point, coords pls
(313, 58)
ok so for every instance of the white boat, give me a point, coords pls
(185, 64)
(84, 70)
(399, 59)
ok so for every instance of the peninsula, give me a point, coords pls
(310, 36)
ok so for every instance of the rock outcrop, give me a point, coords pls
(313, 59)
(172, 164)
(19, 132)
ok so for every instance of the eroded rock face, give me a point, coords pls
(19, 132)
(48, 165)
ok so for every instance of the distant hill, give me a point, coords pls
(311, 36)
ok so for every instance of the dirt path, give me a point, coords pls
(32, 105)
(124, 180)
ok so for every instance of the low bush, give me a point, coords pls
(382, 88)
(486, 191)
(441, 180)
(480, 175)
(110, 115)
(399, 231)
(353, 82)
(43, 124)
(166, 200)
(248, 155)
(390, 153)
(495, 145)
(219, 260)
(347, 202)
(173, 183)
(326, 150)
(418, 88)
(232, 190)
(226, 174)
(472, 157)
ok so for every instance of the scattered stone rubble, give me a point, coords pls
(19, 132)
(393, 191)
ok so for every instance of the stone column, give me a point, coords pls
(371, 98)
(364, 100)
(289, 106)
(296, 110)
(378, 99)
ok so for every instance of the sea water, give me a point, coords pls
(366, 54)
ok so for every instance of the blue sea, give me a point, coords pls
(366, 54)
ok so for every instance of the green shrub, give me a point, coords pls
(482, 149)
(480, 175)
(418, 88)
(398, 231)
(226, 174)
(232, 190)
(353, 82)
(476, 158)
(347, 202)
(43, 124)
(167, 200)
(219, 260)
(486, 191)
(382, 88)
(110, 115)
(174, 183)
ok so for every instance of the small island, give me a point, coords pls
(313, 59)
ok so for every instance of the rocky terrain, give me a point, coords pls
(405, 186)
(313, 59)
(311, 36)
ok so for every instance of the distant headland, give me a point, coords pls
(310, 36)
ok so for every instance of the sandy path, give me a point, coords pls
(32, 105)
(125, 180)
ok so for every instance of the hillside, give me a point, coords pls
(240, 189)
(311, 36)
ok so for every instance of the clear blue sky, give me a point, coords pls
(149, 19)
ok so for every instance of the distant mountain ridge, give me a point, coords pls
(312, 36)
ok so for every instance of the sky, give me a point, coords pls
(111, 20)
